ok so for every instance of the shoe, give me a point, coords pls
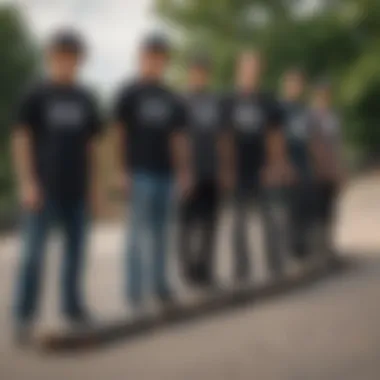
(242, 275)
(206, 281)
(167, 301)
(79, 319)
(23, 334)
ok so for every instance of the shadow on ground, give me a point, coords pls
(125, 330)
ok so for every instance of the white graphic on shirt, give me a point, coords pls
(204, 115)
(65, 115)
(154, 110)
(248, 118)
(298, 128)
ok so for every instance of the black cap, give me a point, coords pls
(200, 60)
(157, 43)
(67, 40)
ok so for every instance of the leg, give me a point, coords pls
(322, 216)
(36, 227)
(73, 218)
(187, 221)
(298, 220)
(139, 205)
(208, 221)
(240, 238)
(273, 215)
(159, 219)
(329, 216)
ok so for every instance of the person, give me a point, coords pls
(298, 142)
(54, 149)
(255, 120)
(152, 144)
(327, 160)
(198, 212)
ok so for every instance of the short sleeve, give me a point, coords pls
(225, 107)
(26, 111)
(95, 120)
(275, 114)
(180, 116)
(123, 107)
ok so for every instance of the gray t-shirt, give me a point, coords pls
(204, 115)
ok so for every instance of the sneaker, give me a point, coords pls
(79, 319)
(23, 334)
(167, 301)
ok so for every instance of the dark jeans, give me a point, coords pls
(71, 217)
(198, 217)
(324, 215)
(302, 206)
(326, 194)
(149, 222)
(270, 205)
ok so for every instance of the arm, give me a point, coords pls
(23, 154)
(276, 148)
(320, 153)
(23, 157)
(278, 167)
(24, 164)
(227, 160)
(119, 136)
(181, 153)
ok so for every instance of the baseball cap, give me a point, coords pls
(156, 43)
(67, 40)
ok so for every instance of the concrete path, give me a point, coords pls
(328, 331)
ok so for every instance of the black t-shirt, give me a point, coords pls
(250, 117)
(62, 120)
(297, 129)
(150, 113)
(205, 122)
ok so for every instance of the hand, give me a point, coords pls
(185, 184)
(124, 184)
(289, 174)
(227, 180)
(278, 175)
(96, 201)
(342, 178)
(31, 196)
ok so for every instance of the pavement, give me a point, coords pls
(326, 331)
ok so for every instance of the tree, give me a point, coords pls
(337, 38)
(18, 62)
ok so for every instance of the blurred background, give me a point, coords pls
(328, 332)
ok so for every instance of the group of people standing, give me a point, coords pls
(195, 148)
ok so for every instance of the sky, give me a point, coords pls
(112, 28)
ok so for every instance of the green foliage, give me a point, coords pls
(340, 39)
(18, 61)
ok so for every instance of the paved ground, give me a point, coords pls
(328, 331)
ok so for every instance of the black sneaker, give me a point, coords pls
(167, 300)
(79, 319)
(23, 334)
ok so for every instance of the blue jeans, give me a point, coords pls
(149, 219)
(71, 218)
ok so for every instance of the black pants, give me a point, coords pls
(326, 194)
(302, 197)
(269, 205)
(325, 210)
(198, 218)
